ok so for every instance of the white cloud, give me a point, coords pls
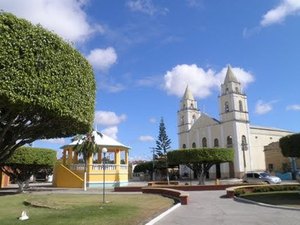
(279, 13)
(145, 6)
(152, 120)
(102, 59)
(146, 138)
(200, 82)
(293, 107)
(66, 18)
(108, 118)
(109, 121)
(60, 141)
(262, 107)
(111, 132)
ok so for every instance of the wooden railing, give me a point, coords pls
(97, 167)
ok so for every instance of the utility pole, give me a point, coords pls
(153, 158)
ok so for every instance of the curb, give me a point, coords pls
(238, 199)
(159, 217)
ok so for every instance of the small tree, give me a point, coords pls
(163, 144)
(86, 146)
(47, 88)
(200, 160)
(27, 161)
(290, 147)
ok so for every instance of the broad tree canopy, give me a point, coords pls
(27, 161)
(47, 88)
(200, 160)
(290, 145)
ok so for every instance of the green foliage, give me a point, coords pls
(144, 167)
(86, 145)
(32, 156)
(266, 188)
(47, 88)
(200, 160)
(27, 161)
(213, 155)
(163, 142)
(290, 145)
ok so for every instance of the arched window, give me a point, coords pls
(241, 105)
(204, 142)
(194, 145)
(229, 142)
(216, 143)
(194, 118)
(237, 90)
(192, 105)
(184, 146)
(226, 107)
(182, 120)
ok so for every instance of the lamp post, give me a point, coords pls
(244, 148)
(104, 150)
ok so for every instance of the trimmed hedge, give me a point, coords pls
(266, 188)
(47, 88)
(214, 155)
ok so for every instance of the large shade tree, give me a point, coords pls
(290, 147)
(200, 160)
(27, 161)
(47, 88)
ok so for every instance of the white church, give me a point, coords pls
(233, 130)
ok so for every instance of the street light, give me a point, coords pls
(244, 148)
(104, 150)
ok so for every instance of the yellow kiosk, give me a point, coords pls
(70, 171)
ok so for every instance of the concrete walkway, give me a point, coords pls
(211, 208)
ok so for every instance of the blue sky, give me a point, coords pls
(145, 52)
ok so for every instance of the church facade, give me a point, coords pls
(233, 130)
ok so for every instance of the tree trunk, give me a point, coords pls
(202, 177)
(21, 186)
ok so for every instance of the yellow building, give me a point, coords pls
(69, 172)
(275, 161)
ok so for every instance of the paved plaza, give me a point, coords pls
(212, 208)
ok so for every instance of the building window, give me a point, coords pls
(237, 90)
(244, 143)
(270, 167)
(184, 146)
(216, 143)
(182, 120)
(241, 106)
(194, 118)
(226, 107)
(192, 106)
(229, 142)
(194, 145)
(204, 142)
(227, 90)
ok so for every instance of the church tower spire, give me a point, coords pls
(233, 103)
(188, 112)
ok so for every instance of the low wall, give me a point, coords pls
(178, 187)
(178, 195)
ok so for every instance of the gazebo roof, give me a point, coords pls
(101, 140)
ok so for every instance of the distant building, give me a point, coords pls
(197, 129)
(275, 161)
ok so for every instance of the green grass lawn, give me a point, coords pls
(290, 198)
(70, 209)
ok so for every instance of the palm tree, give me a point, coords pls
(86, 146)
